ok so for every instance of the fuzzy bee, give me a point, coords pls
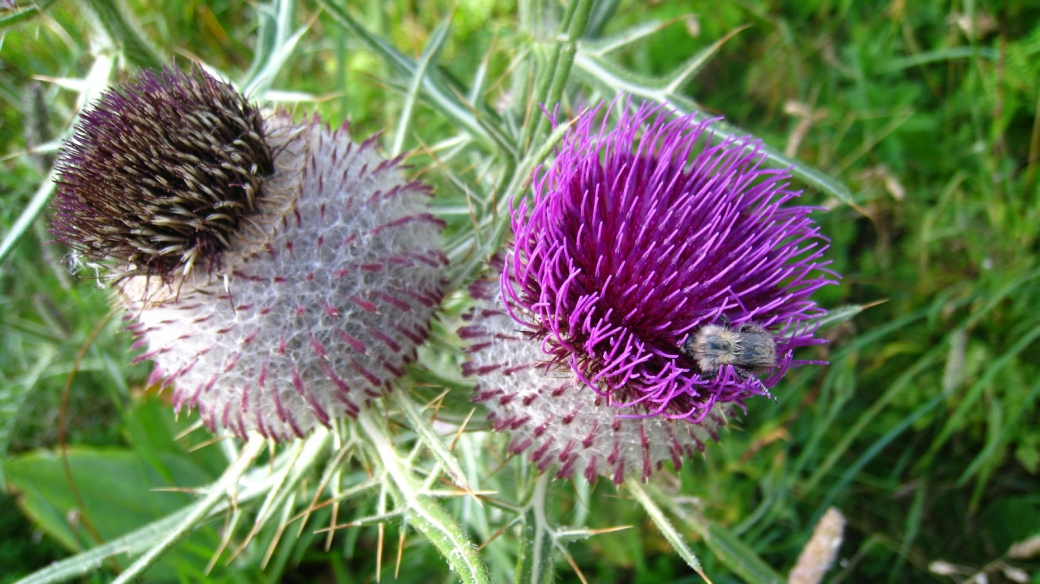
(748, 348)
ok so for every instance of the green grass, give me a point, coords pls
(922, 430)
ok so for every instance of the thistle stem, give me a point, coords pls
(535, 563)
(423, 511)
(551, 87)
(430, 439)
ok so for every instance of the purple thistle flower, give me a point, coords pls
(321, 288)
(637, 241)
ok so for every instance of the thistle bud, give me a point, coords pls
(278, 274)
(652, 287)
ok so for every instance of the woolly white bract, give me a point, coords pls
(555, 417)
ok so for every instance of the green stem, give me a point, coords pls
(423, 511)
(535, 563)
(551, 89)
(430, 439)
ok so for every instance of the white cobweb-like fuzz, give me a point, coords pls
(320, 302)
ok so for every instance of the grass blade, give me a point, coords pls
(853, 470)
(1001, 438)
(667, 529)
(19, 15)
(728, 548)
(124, 31)
(898, 386)
(198, 513)
(974, 393)
(29, 214)
(433, 49)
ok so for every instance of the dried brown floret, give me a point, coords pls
(160, 173)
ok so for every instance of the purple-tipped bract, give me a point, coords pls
(637, 237)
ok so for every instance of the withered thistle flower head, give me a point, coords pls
(322, 292)
(638, 238)
(160, 173)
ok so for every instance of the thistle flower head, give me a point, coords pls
(636, 240)
(160, 173)
(325, 287)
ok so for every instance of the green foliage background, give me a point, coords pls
(922, 430)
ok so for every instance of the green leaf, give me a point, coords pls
(29, 214)
(667, 529)
(430, 438)
(694, 64)
(275, 42)
(12, 396)
(89, 89)
(106, 479)
(612, 79)
(257, 484)
(602, 12)
(129, 545)
(423, 511)
(444, 99)
(831, 319)
(776, 159)
(152, 429)
(604, 46)
(198, 512)
(468, 254)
